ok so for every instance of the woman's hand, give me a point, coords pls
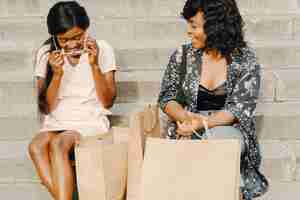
(192, 123)
(93, 51)
(56, 61)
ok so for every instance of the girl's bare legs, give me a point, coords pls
(62, 172)
(39, 153)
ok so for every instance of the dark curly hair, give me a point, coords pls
(223, 24)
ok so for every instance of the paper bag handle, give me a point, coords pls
(205, 127)
(153, 121)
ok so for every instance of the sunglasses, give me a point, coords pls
(73, 52)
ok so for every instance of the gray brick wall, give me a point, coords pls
(143, 33)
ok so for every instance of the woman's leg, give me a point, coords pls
(228, 132)
(62, 171)
(39, 153)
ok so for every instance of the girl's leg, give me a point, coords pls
(39, 153)
(62, 171)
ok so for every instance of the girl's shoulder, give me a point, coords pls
(104, 45)
(43, 49)
(41, 53)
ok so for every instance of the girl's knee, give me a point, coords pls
(39, 143)
(62, 143)
(57, 145)
(34, 148)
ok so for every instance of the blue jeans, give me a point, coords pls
(224, 132)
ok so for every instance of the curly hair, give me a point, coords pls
(223, 24)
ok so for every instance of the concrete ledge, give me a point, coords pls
(279, 162)
(127, 8)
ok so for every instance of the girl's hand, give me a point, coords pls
(93, 51)
(56, 61)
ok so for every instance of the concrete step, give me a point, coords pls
(157, 29)
(271, 54)
(32, 191)
(280, 162)
(288, 85)
(20, 108)
(278, 191)
(274, 120)
(17, 61)
(132, 87)
(282, 191)
(278, 127)
(24, 128)
(28, 30)
(18, 171)
(112, 9)
(18, 128)
(266, 27)
(135, 86)
(281, 159)
(286, 116)
(137, 8)
(268, 6)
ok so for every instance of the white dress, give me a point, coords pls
(78, 107)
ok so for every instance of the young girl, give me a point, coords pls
(76, 87)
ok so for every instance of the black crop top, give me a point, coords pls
(211, 99)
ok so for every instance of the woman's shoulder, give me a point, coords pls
(177, 54)
(248, 52)
(247, 59)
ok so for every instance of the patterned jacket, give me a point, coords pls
(243, 84)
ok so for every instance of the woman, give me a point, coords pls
(214, 82)
(76, 87)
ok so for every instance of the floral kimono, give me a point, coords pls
(242, 88)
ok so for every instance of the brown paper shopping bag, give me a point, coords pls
(150, 121)
(120, 134)
(142, 124)
(101, 166)
(191, 169)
